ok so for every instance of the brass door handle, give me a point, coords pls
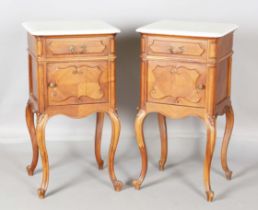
(201, 87)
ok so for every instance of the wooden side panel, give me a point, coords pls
(35, 45)
(222, 80)
(111, 73)
(220, 49)
(143, 74)
(224, 46)
(34, 85)
(41, 84)
(220, 52)
(32, 44)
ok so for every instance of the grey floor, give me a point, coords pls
(76, 183)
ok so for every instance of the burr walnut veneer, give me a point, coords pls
(186, 71)
(71, 72)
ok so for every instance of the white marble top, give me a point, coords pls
(48, 28)
(184, 28)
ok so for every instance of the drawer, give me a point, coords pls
(77, 46)
(176, 83)
(77, 83)
(177, 47)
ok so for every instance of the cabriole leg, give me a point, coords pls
(210, 145)
(98, 134)
(41, 124)
(112, 149)
(141, 144)
(164, 141)
(226, 139)
(31, 127)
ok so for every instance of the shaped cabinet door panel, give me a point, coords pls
(176, 83)
(77, 83)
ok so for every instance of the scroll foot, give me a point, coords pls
(118, 185)
(228, 175)
(210, 196)
(161, 165)
(30, 171)
(137, 184)
(41, 193)
(101, 165)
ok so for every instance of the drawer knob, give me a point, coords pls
(178, 50)
(52, 85)
(83, 48)
(72, 49)
(201, 87)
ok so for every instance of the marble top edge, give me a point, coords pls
(48, 28)
(188, 28)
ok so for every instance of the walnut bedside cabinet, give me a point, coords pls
(186, 71)
(71, 72)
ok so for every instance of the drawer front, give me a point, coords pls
(77, 46)
(176, 83)
(177, 47)
(77, 83)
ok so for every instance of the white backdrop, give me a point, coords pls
(126, 15)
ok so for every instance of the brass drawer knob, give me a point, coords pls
(52, 85)
(179, 50)
(201, 87)
(83, 49)
(72, 49)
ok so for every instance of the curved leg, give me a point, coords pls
(112, 149)
(164, 141)
(41, 124)
(227, 135)
(31, 127)
(99, 127)
(141, 144)
(210, 145)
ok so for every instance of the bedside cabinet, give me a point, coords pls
(186, 71)
(71, 72)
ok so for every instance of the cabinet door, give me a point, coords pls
(176, 83)
(77, 83)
